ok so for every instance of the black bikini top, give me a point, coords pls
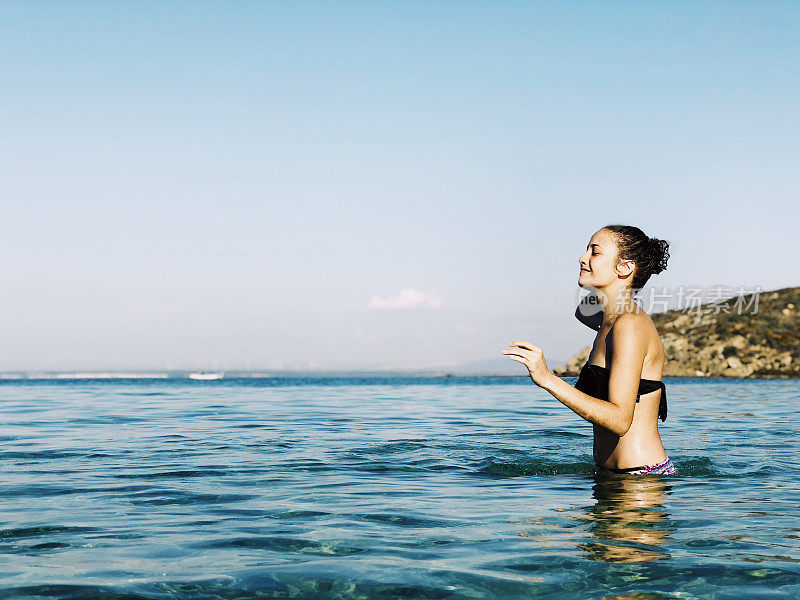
(593, 380)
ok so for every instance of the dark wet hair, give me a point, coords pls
(649, 254)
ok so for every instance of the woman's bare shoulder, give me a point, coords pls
(633, 319)
(636, 323)
(641, 325)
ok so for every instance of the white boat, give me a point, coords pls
(203, 376)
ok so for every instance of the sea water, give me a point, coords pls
(389, 488)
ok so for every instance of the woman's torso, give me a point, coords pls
(641, 444)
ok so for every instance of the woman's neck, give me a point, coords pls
(615, 303)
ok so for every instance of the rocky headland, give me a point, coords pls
(730, 338)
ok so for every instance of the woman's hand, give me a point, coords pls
(532, 357)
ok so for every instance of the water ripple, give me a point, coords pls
(336, 488)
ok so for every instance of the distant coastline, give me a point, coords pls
(299, 374)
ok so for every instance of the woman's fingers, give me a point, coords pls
(524, 352)
(532, 357)
(518, 355)
(525, 345)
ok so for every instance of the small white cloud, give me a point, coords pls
(407, 300)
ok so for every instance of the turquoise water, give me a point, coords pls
(388, 488)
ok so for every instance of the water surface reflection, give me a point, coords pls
(628, 523)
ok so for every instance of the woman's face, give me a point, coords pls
(599, 261)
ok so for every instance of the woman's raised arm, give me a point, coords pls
(628, 352)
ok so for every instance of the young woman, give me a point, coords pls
(619, 389)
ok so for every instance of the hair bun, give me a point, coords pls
(660, 254)
(649, 254)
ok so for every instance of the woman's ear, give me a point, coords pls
(625, 268)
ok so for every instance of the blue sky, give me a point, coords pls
(250, 184)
